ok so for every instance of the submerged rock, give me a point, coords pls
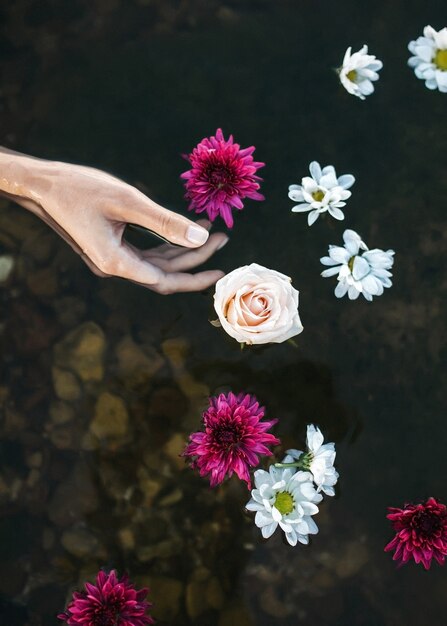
(118, 485)
(195, 599)
(65, 436)
(274, 604)
(61, 412)
(136, 365)
(42, 282)
(162, 550)
(82, 351)
(34, 459)
(176, 351)
(214, 593)
(126, 539)
(111, 417)
(203, 592)
(150, 485)
(6, 267)
(75, 497)
(173, 449)
(166, 594)
(69, 310)
(235, 616)
(66, 385)
(40, 246)
(80, 542)
(171, 498)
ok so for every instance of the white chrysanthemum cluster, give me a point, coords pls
(321, 192)
(357, 272)
(288, 494)
(359, 70)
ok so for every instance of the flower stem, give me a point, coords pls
(295, 464)
(303, 463)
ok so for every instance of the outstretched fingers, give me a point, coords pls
(187, 259)
(127, 262)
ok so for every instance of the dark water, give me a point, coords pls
(128, 87)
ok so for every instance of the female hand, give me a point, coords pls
(90, 210)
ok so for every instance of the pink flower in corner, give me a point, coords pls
(110, 602)
(421, 533)
(233, 438)
(222, 175)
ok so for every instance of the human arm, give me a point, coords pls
(90, 209)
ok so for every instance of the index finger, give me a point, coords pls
(128, 262)
(175, 228)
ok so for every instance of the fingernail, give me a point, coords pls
(223, 243)
(196, 234)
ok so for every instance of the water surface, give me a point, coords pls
(129, 87)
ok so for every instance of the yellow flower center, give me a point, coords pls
(284, 502)
(351, 263)
(352, 75)
(318, 195)
(441, 59)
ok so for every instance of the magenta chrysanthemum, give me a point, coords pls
(421, 533)
(222, 175)
(233, 438)
(110, 602)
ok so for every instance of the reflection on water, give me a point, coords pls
(101, 382)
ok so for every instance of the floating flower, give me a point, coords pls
(256, 305)
(323, 192)
(318, 460)
(358, 72)
(367, 272)
(222, 175)
(110, 602)
(233, 438)
(430, 58)
(421, 533)
(286, 498)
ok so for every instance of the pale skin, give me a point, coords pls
(89, 209)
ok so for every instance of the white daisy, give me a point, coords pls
(321, 192)
(358, 72)
(430, 58)
(285, 498)
(367, 272)
(319, 460)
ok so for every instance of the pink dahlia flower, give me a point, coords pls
(222, 175)
(233, 438)
(111, 602)
(421, 533)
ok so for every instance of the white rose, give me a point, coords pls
(257, 305)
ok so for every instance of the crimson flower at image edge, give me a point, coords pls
(232, 440)
(221, 176)
(421, 533)
(108, 602)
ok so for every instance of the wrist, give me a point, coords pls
(23, 176)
